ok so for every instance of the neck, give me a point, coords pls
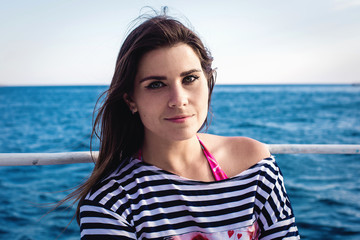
(184, 158)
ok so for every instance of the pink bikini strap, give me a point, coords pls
(218, 173)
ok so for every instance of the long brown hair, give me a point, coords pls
(120, 132)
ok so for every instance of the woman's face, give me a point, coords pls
(171, 93)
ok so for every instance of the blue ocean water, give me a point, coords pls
(324, 189)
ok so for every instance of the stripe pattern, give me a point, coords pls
(141, 201)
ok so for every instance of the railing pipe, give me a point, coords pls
(314, 148)
(27, 159)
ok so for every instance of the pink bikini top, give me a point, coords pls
(218, 173)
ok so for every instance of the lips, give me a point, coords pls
(179, 118)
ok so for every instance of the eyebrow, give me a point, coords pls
(154, 77)
(183, 74)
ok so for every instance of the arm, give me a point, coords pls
(276, 219)
(98, 222)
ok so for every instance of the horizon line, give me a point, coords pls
(216, 84)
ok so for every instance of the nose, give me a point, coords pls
(178, 97)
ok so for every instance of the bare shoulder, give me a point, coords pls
(249, 147)
(235, 154)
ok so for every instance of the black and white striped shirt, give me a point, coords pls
(141, 201)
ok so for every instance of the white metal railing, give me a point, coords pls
(26, 159)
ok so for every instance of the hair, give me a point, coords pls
(120, 132)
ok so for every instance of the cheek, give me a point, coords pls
(203, 100)
(205, 96)
(148, 111)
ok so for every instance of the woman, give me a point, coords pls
(156, 177)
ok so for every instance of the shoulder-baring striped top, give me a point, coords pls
(141, 201)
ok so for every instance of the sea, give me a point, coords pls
(324, 189)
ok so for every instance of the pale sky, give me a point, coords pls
(69, 42)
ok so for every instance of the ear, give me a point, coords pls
(131, 104)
